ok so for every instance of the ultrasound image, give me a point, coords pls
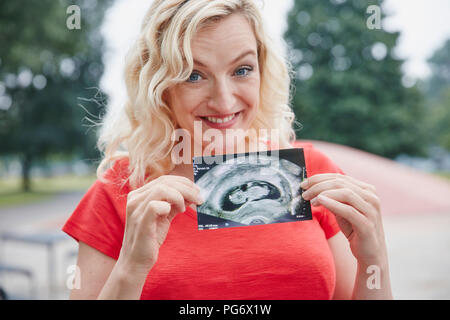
(252, 189)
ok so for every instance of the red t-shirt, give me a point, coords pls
(290, 260)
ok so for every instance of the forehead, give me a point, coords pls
(230, 35)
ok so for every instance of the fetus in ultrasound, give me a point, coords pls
(253, 189)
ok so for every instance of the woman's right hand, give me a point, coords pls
(150, 210)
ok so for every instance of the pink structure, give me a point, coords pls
(402, 190)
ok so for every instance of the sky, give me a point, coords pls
(424, 26)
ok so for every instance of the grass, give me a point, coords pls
(444, 175)
(41, 188)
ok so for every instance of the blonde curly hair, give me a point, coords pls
(161, 58)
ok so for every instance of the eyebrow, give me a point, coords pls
(252, 52)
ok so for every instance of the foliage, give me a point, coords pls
(348, 82)
(440, 68)
(42, 188)
(438, 97)
(45, 69)
(439, 120)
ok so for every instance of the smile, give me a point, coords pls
(221, 121)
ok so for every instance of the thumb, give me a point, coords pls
(346, 227)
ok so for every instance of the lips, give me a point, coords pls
(221, 121)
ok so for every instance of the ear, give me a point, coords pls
(166, 96)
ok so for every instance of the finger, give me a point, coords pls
(358, 221)
(339, 183)
(371, 198)
(362, 184)
(322, 186)
(309, 182)
(349, 197)
(188, 182)
(168, 180)
(190, 194)
(345, 226)
(155, 209)
(168, 194)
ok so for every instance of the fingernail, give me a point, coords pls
(199, 199)
(323, 199)
(304, 184)
(314, 201)
(305, 195)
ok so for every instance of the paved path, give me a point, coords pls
(43, 218)
(28, 216)
(419, 258)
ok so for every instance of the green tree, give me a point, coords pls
(348, 87)
(440, 69)
(440, 120)
(45, 68)
(438, 97)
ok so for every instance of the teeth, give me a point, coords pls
(220, 120)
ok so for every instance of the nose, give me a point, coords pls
(222, 97)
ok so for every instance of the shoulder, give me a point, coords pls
(115, 178)
(118, 171)
(110, 191)
(316, 161)
(99, 218)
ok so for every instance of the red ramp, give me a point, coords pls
(402, 190)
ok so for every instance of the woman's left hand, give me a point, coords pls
(357, 210)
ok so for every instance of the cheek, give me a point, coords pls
(184, 105)
(251, 98)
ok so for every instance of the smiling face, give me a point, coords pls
(223, 90)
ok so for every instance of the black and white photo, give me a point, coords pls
(251, 189)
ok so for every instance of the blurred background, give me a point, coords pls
(371, 88)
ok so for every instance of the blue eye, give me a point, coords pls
(194, 77)
(243, 71)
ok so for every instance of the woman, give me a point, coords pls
(211, 62)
